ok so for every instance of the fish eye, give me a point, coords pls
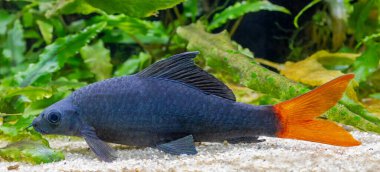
(54, 117)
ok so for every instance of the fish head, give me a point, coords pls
(60, 118)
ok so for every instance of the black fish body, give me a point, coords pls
(148, 111)
(173, 103)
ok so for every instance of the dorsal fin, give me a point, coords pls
(181, 67)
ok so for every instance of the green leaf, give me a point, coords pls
(32, 93)
(97, 59)
(241, 8)
(17, 99)
(55, 55)
(14, 47)
(5, 19)
(8, 130)
(190, 9)
(125, 29)
(130, 25)
(64, 85)
(368, 62)
(30, 151)
(71, 7)
(14, 129)
(133, 64)
(28, 18)
(46, 30)
(363, 19)
(375, 96)
(134, 8)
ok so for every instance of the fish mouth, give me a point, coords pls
(40, 130)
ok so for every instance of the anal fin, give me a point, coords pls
(184, 145)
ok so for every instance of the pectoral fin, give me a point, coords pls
(244, 140)
(103, 151)
(180, 146)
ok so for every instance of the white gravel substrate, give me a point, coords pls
(272, 155)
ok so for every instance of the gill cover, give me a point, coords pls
(298, 116)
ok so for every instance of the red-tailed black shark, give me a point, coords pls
(173, 103)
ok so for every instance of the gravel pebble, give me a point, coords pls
(272, 155)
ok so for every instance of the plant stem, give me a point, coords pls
(146, 49)
(269, 63)
(235, 26)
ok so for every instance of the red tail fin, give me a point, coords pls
(298, 116)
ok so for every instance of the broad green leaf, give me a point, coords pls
(8, 130)
(64, 85)
(241, 8)
(14, 129)
(133, 64)
(71, 7)
(364, 19)
(245, 71)
(368, 62)
(28, 18)
(14, 100)
(46, 30)
(134, 8)
(32, 93)
(122, 37)
(33, 152)
(54, 55)
(130, 25)
(190, 9)
(125, 29)
(98, 60)
(15, 45)
(5, 19)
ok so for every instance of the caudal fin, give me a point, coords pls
(298, 116)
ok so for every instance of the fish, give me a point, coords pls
(174, 103)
